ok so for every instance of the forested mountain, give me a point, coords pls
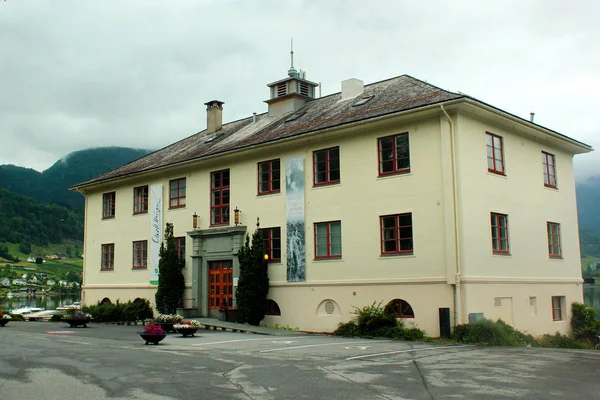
(28, 221)
(52, 185)
(588, 203)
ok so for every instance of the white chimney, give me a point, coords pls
(352, 88)
(214, 115)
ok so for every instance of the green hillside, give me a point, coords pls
(27, 221)
(52, 185)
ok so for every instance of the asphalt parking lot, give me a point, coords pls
(53, 361)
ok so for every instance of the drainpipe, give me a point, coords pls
(457, 277)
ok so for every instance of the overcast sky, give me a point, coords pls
(80, 74)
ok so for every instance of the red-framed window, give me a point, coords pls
(180, 246)
(549, 163)
(140, 199)
(326, 166)
(554, 245)
(108, 257)
(272, 240)
(394, 154)
(401, 308)
(140, 254)
(557, 309)
(219, 197)
(499, 223)
(108, 205)
(177, 193)
(396, 234)
(328, 239)
(495, 153)
(269, 177)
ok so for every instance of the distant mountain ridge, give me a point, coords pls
(588, 203)
(52, 185)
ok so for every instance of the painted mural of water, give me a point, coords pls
(46, 302)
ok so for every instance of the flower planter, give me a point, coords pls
(4, 322)
(187, 331)
(74, 323)
(167, 326)
(154, 339)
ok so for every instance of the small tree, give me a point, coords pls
(171, 283)
(253, 285)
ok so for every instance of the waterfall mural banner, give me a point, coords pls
(156, 207)
(294, 212)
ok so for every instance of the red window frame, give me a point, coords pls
(220, 197)
(401, 308)
(272, 240)
(107, 260)
(397, 233)
(177, 193)
(272, 173)
(108, 205)
(497, 237)
(180, 246)
(557, 308)
(327, 166)
(495, 153)
(554, 242)
(549, 163)
(140, 200)
(400, 154)
(140, 254)
(328, 235)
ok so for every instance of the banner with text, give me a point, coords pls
(156, 207)
(294, 207)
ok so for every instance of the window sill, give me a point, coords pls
(551, 188)
(139, 268)
(220, 225)
(107, 218)
(107, 269)
(268, 193)
(325, 184)
(278, 261)
(397, 255)
(176, 207)
(496, 174)
(141, 213)
(328, 259)
(502, 254)
(395, 173)
(556, 258)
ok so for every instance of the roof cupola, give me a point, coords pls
(290, 93)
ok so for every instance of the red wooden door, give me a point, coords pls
(220, 290)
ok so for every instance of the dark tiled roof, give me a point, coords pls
(393, 95)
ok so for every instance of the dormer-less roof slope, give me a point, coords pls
(390, 96)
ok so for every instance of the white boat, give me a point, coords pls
(25, 309)
(77, 305)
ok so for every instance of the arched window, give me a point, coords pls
(105, 300)
(401, 308)
(272, 308)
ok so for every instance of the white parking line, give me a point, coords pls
(405, 351)
(308, 345)
(246, 340)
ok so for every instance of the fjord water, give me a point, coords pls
(46, 302)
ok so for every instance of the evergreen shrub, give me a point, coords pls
(377, 322)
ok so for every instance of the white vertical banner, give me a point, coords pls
(156, 222)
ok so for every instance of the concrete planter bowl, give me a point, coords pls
(154, 339)
(74, 322)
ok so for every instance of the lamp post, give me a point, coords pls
(195, 221)
(236, 216)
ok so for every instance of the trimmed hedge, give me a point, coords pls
(137, 310)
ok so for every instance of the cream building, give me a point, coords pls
(397, 192)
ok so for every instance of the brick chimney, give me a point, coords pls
(214, 115)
